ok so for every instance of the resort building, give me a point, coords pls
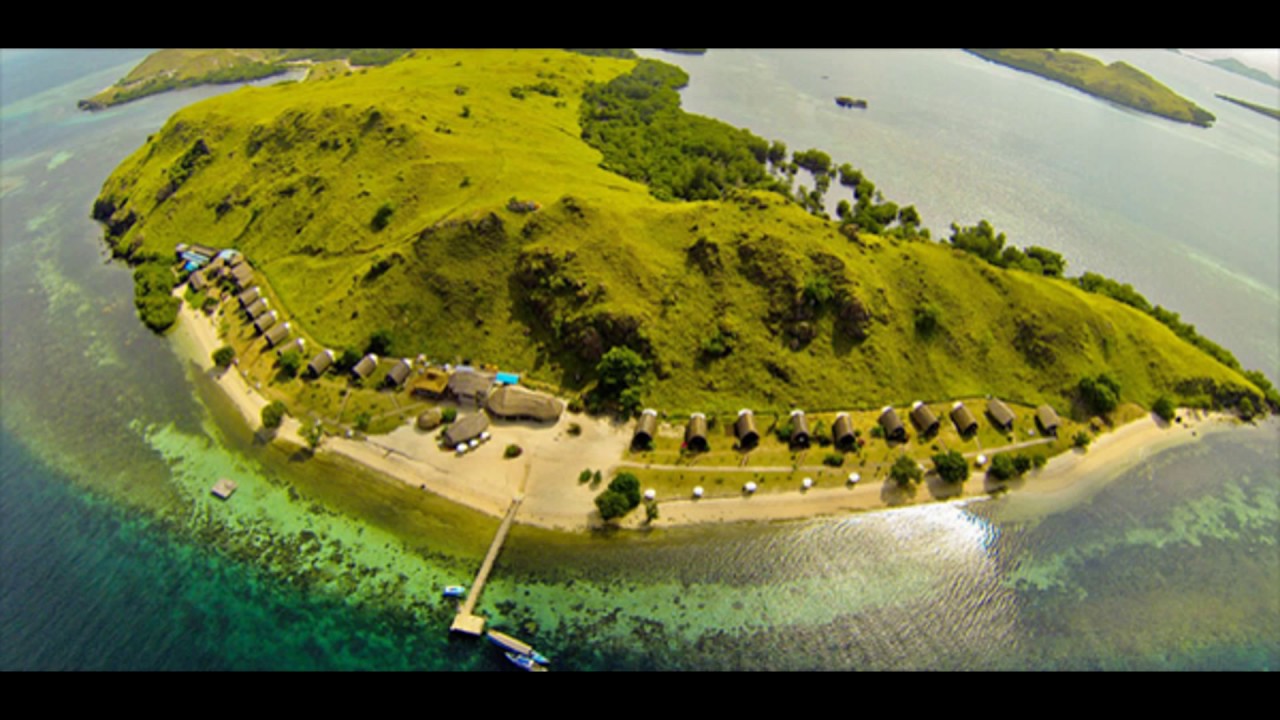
(923, 418)
(466, 429)
(1000, 414)
(964, 421)
(646, 428)
(695, 433)
(297, 345)
(320, 363)
(470, 386)
(799, 429)
(248, 297)
(197, 281)
(513, 402)
(745, 430)
(276, 334)
(398, 374)
(431, 385)
(242, 275)
(257, 307)
(1047, 418)
(842, 432)
(264, 321)
(366, 366)
(892, 426)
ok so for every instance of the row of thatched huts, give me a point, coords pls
(842, 432)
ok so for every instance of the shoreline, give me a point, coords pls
(545, 473)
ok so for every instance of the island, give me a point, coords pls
(529, 278)
(1272, 113)
(1118, 82)
(845, 101)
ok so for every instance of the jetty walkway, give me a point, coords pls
(465, 621)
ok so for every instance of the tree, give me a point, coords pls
(619, 369)
(813, 160)
(382, 217)
(777, 152)
(627, 485)
(312, 434)
(927, 319)
(1052, 263)
(291, 362)
(951, 466)
(612, 505)
(223, 356)
(981, 240)
(650, 511)
(1002, 467)
(905, 471)
(449, 414)
(1081, 440)
(1163, 408)
(909, 216)
(1100, 394)
(379, 342)
(273, 414)
(348, 359)
(512, 451)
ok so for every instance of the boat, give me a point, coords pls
(455, 591)
(848, 102)
(524, 662)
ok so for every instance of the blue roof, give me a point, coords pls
(507, 378)
(195, 257)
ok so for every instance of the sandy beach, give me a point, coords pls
(546, 472)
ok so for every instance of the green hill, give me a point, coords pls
(382, 200)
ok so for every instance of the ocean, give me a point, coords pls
(113, 556)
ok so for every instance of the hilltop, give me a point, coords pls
(450, 199)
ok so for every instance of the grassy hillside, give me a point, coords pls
(380, 200)
(1118, 82)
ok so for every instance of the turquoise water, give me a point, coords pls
(113, 556)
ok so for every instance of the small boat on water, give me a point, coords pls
(524, 662)
(518, 647)
(848, 102)
(455, 591)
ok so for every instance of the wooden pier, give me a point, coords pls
(465, 621)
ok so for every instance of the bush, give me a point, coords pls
(1163, 408)
(290, 363)
(1101, 394)
(951, 466)
(905, 471)
(585, 476)
(627, 485)
(927, 319)
(612, 505)
(1002, 467)
(348, 359)
(833, 459)
(449, 414)
(512, 451)
(574, 429)
(1081, 440)
(273, 414)
(379, 343)
(1021, 463)
(363, 420)
(382, 217)
(223, 356)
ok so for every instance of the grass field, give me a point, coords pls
(436, 144)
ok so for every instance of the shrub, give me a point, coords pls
(223, 356)
(273, 414)
(650, 511)
(348, 359)
(833, 459)
(1081, 440)
(449, 414)
(905, 471)
(1021, 463)
(512, 451)
(1100, 394)
(290, 363)
(1002, 467)
(1163, 408)
(379, 343)
(585, 476)
(951, 466)
(927, 319)
(612, 505)
(574, 429)
(382, 217)
(363, 420)
(1039, 460)
(628, 486)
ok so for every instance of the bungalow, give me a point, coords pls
(1000, 414)
(469, 385)
(466, 429)
(892, 426)
(514, 402)
(1047, 417)
(320, 363)
(366, 366)
(264, 321)
(297, 345)
(431, 385)
(842, 432)
(180, 249)
(925, 421)
(234, 259)
(799, 429)
(242, 275)
(646, 428)
(214, 271)
(248, 297)
(963, 419)
(256, 308)
(745, 429)
(276, 334)
(197, 281)
(695, 433)
(205, 250)
(398, 374)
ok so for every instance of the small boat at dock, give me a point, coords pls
(524, 662)
(511, 646)
(455, 591)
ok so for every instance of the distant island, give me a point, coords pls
(1118, 82)
(1269, 112)
(845, 101)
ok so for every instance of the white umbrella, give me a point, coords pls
(854, 477)
(981, 460)
(462, 448)
(474, 443)
(808, 483)
(750, 487)
(697, 492)
(484, 436)
(650, 494)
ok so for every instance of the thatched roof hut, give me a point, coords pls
(234, 259)
(646, 428)
(799, 429)
(180, 249)
(695, 433)
(204, 250)
(214, 271)
(256, 308)
(964, 420)
(242, 275)
(466, 429)
(398, 374)
(296, 345)
(516, 402)
(276, 334)
(1000, 414)
(430, 419)
(892, 426)
(842, 431)
(745, 429)
(432, 384)
(470, 385)
(248, 297)
(320, 363)
(1047, 417)
(264, 321)
(923, 418)
(197, 280)
(366, 366)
